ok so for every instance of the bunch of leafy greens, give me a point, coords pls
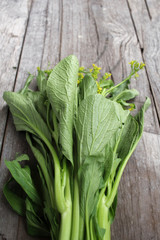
(81, 133)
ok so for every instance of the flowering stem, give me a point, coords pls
(126, 79)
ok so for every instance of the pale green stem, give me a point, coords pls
(81, 228)
(75, 213)
(66, 216)
(87, 224)
(103, 220)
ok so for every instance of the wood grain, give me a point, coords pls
(106, 33)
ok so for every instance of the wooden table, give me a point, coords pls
(109, 33)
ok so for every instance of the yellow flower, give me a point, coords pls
(136, 75)
(81, 69)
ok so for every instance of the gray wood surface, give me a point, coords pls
(109, 33)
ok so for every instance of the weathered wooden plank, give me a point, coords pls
(138, 211)
(41, 45)
(13, 20)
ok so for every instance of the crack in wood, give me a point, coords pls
(149, 14)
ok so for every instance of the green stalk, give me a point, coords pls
(87, 224)
(92, 230)
(59, 196)
(81, 228)
(103, 221)
(75, 214)
(66, 216)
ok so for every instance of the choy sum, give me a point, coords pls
(79, 127)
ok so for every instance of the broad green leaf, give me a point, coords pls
(87, 87)
(98, 122)
(23, 177)
(15, 201)
(25, 116)
(62, 91)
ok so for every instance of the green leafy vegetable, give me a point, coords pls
(80, 130)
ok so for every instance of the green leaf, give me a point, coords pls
(35, 225)
(39, 100)
(120, 88)
(126, 95)
(62, 91)
(41, 80)
(23, 177)
(104, 83)
(112, 210)
(132, 132)
(25, 116)
(98, 122)
(15, 201)
(98, 232)
(108, 162)
(87, 87)
(27, 83)
(54, 220)
(42, 159)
